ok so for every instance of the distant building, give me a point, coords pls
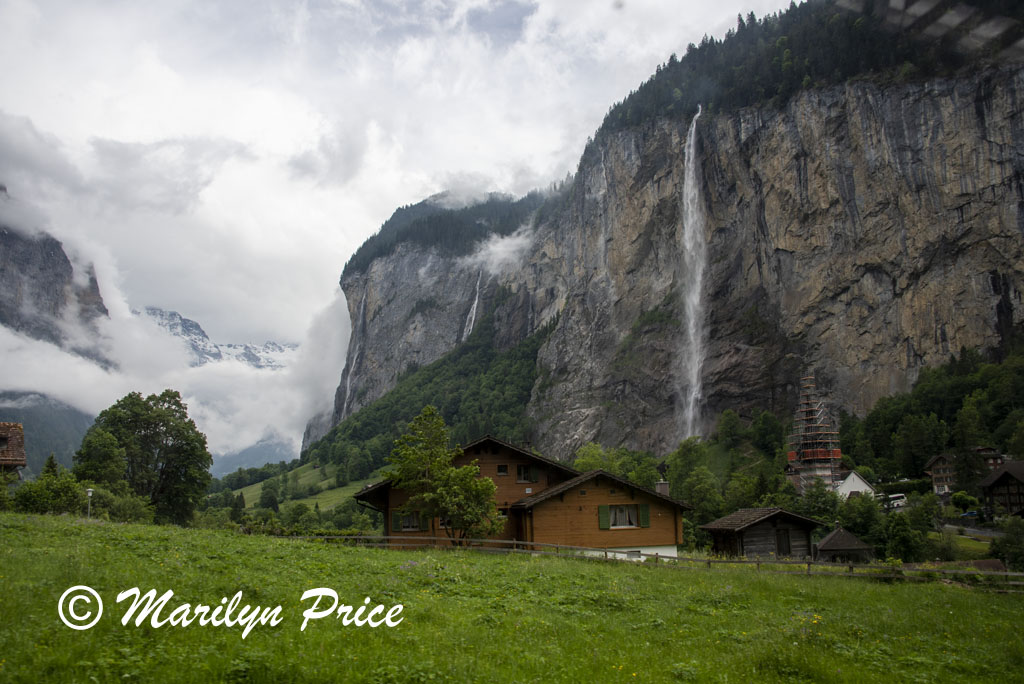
(942, 468)
(854, 485)
(762, 533)
(12, 447)
(814, 445)
(1004, 489)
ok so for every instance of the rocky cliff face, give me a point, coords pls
(858, 234)
(41, 295)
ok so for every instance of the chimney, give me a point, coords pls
(661, 486)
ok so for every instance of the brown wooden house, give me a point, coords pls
(12, 447)
(544, 501)
(762, 532)
(1004, 489)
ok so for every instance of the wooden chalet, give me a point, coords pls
(544, 501)
(1004, 489)
(12, 447)
(841, 546)
(762, 532)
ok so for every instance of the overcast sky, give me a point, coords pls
(223, 159)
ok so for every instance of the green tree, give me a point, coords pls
(165, 455)
(767, 434)
(100, 459)
(924, 512)
(1010, 547)
(917, 439)
(963, 501)
(238, 508)
(819, 502)
(730, 429)
(269, 495)
(701, 490)
(681, 462)
(862, 516)
(901, 540)
(422, 464)
(52, 492)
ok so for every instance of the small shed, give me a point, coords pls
(12, 447)
(841, 546)
(762, 532)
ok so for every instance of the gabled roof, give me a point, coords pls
(531, 501)
(370, 492)
(1014, 468)
(745, 517)
(841, 540)
(526, 453)
(936, 457)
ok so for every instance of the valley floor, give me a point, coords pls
(470, 617)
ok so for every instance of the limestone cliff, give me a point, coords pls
(860, 233)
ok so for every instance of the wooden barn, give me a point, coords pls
(762, 533)
(841, 546)
(12, 447)
(544, 501)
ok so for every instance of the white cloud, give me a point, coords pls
(500, 253)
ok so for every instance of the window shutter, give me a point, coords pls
(603, 521)
(534, 474)
(424, 523)
(644, 513)
(396, 521)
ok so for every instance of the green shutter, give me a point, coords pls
(534, 474)
(644, 513)
(603, 519)
(424, 523)
(396, 521)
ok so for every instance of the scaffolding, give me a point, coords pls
(814, 445)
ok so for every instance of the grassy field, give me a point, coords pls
(471, 617)
(308, 475)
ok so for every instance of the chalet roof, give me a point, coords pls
(745, 517)
(1014, 468)
(841, 540)
(935, 458)
(368, 493)
(526, 453)
(531, 501)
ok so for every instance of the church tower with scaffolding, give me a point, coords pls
(814, 445)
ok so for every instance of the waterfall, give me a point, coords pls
(471, 318)
(350, 366)
(694, 248)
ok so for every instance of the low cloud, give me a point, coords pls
(501, 253)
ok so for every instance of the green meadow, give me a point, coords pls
(474, 617)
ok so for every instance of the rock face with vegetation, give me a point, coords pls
(858, 233)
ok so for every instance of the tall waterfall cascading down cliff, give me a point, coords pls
(694, 246)
(471, 318)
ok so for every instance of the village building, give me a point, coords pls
(942, 468)
(1003, 489)
(814, 445)
(854, 485)
(762, 533)
(841, 546)
(547, 502)
(12, 447)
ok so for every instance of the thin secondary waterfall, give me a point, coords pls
(694, 249)
(350, 367)
(471, 318)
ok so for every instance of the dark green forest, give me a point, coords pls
(455, 232)
(811, 45)
(477, 389)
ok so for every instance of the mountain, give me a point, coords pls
(268, 355)
(857, 230)
(50, 426)
(42, 294)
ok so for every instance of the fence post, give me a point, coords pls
(709, 563)
(656, 558)
(808, 567)
(758, 562)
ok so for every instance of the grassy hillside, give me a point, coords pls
(470, 617)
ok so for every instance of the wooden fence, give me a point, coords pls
(806, 567)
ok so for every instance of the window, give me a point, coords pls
(583, 492)
(408, 522)
(526, 473)
(623, 516)
(503, 469)
(502, 512)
